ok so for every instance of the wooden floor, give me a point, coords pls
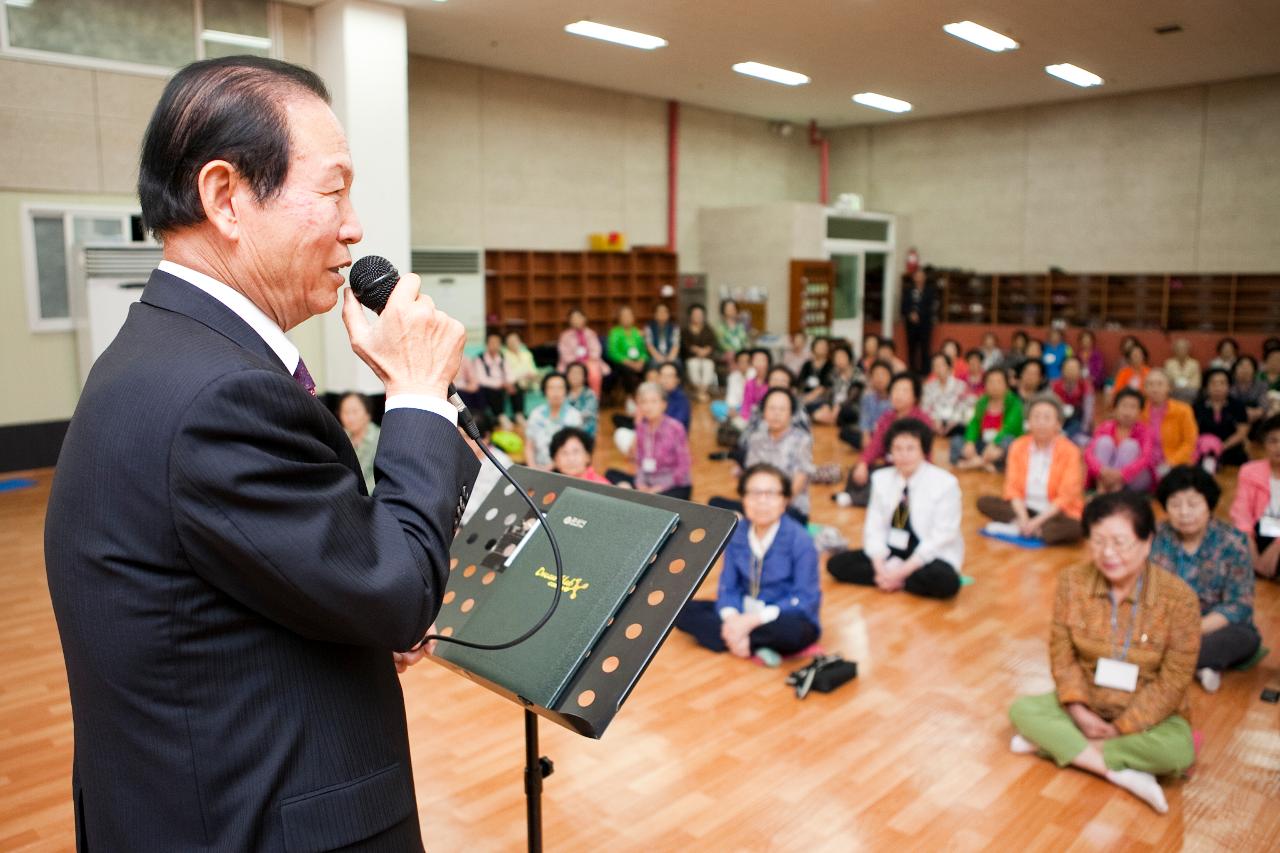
(711, 753)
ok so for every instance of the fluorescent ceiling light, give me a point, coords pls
(604, 32)
(768, 72)
(20, 4)
(882, 102)
(237, 39)
(981, 36)
(1074, 74)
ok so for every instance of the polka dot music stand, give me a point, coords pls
(631, 638)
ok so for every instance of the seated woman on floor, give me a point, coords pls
(784, 446)
(1171, 422)
(1043, 480)
(548, 419)
(911, 538)
(571, 450)
(1213, 558)
(1223, 423)
(1125, 638)
(1077, 397)
(660, 450)
(581, 343)
(581, 397)
(1122, 453)
(1134, 373)
(946, 397)
(1256, 509)
(904, 402)
(996, 422)
(836, 400)
(769, 596)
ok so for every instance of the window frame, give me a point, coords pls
(27, 54)
(37, 323)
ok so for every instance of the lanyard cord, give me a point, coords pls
(1133, 619)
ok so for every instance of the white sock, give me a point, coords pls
(1142, 785)
(1022, 746)
(1210, 679)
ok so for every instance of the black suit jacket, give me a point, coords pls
(926, 308)
(228, 596)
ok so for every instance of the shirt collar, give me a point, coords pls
(760, 546)
(239, 304)
(1101, 587)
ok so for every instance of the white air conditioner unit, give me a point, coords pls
(454, 279)
(105, 280)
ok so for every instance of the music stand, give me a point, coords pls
(631, 638)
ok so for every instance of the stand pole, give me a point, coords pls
(536, 768)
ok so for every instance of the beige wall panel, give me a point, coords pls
(48, 151)
(128, 96)
(297, 37)
(45, 87)
(961, 183)
(1112, 184)
(121, 146)
(850, 161)
(1239, 227)
(444, 153)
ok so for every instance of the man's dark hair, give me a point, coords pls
(1185, 477)
(232, 109)
(913, 427)
(566, 434)
(1124, 502)
(765, 468)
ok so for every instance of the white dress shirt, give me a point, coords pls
(934, 502)
(1038, 464)
(284, 348)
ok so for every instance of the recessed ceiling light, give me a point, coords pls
(981, 36)
(1074, 74)
(882, 102)
(768, 72)
(617, 35)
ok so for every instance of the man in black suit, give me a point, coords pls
(919, 304)
(228, 595)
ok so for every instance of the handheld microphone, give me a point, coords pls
(373, 277)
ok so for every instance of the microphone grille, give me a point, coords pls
(373, 277)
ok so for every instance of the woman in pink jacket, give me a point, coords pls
(1256, 509)
(579, 343)
(1122, 452)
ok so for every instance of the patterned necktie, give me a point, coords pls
(303, 377)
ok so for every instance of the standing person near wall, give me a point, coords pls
(919, 304)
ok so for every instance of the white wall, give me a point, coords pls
(1181, 180)
(507, 160)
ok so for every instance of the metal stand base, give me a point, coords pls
(536, 768)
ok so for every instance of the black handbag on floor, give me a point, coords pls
(824, 674)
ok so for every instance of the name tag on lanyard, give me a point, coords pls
(1116, 674)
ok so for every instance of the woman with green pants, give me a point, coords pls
(1123, 652)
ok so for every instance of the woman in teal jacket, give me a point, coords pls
(996, 422)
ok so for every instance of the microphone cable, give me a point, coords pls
(372, 280)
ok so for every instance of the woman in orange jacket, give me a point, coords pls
(1043, 481)
(1172, 421)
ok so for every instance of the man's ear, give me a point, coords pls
(220, 184)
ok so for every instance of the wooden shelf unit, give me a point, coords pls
(812, 297)
(532, 291)
(1226, 302)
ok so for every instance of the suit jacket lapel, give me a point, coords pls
(173, 294)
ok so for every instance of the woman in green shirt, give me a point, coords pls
(996, 422)
(732, 331)
(626, 350)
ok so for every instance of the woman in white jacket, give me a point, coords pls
(911, 539)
